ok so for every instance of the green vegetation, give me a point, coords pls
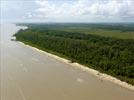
(113, 56)
(116, 30)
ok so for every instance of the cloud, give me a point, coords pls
(87, 8)
(68, 10)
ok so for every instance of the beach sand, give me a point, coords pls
(96, 73)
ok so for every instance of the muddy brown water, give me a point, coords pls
(27, 74)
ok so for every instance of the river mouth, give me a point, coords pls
(30, 75)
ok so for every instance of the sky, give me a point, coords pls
(67, 10)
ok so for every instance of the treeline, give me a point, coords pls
(109, 55)
(124, 27)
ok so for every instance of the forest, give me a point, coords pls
(111, 55)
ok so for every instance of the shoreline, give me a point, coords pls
(94, 72)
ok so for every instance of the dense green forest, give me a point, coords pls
(114, 56)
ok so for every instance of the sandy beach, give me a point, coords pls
(96, 73)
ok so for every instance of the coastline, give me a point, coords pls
(96, 73)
